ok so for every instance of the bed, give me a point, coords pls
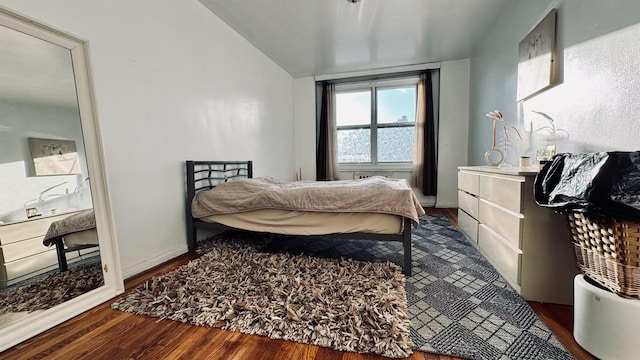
(75, 232)
(223, 195)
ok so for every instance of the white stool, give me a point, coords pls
(605, 324)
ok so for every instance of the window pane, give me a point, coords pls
(396, 144)
(353, 108)
(354, 145)
(397, 105)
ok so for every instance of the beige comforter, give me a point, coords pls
(375, 195)
(83, 220)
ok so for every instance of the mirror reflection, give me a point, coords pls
(49, 249)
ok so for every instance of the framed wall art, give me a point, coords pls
(537, 58)
(54, 157)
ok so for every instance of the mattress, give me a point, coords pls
(370, 195)
(86, 237)
(309, 223)
(84, 220)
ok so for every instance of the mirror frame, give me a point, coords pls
(111, 269)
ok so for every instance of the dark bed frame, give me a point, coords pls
(62, 251)
(205, 175)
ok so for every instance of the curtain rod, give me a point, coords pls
(379, 71)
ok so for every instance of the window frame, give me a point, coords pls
(373, 125)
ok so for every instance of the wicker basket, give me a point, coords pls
(608, 251)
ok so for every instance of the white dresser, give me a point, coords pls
(529, 245)
(22, 254)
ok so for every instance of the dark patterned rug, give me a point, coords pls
(458, 304)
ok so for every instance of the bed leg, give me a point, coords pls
(62, 258)
(191, 193)
(406, 244)
(191, 236)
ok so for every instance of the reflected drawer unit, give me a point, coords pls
(22, 254)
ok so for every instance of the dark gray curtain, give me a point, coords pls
(425, 172)
(326, 156)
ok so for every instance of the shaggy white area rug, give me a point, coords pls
(52, 290)
(342, 304)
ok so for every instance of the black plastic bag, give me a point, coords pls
(603, 183)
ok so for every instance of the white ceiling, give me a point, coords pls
(304, 37)
(322, 37)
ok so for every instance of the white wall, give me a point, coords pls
(305, 127)
(173, 82)
(453, 129)
(20, 121)
(598, 57)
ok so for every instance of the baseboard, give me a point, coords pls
(148, 264)
(446, 206)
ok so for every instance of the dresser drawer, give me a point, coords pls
(503, 191)
(468, 182)
(27, 230)
(468, 225)
(506, 223)
(18, 250)
(468, 203)
(92, 251)
(36, 263)
(506, 259)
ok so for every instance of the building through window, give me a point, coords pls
(376, 121)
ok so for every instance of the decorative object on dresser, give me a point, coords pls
(494, 156)
(547, 135)
(342, 304)
(527, 244)
(373, 208)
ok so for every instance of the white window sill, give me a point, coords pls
(380, 167)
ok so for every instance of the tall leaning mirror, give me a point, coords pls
(58, 253)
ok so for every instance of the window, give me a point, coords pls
(376, 122)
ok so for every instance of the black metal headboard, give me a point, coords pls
(205, 175)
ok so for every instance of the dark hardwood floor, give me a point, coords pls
(103, 333)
